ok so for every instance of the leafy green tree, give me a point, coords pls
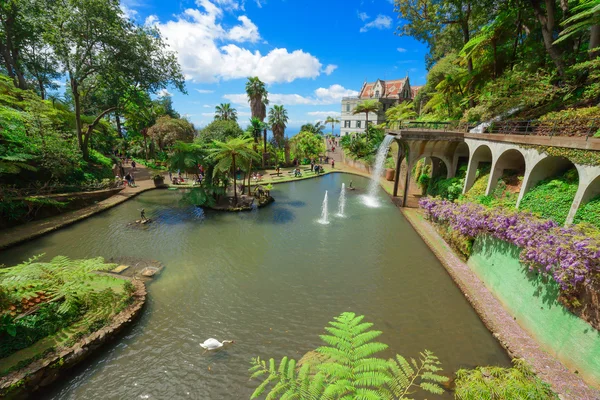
(278, 119)
(345, 368)
(224, 112)
(166, 131)
(366, 107)
(95, 44)
(317, 128)
(258, 98)
(586, 16)
(226, 154)
(256, 128)
(332, 120)
(307, 145)
(186, 157)
(220, 130)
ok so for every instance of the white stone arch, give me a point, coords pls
(543, 168)
(480, 152)
(507, 157)
(588, 188)
(462, 149)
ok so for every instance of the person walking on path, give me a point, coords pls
(332, 164)
(133, 165)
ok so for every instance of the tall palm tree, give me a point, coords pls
(227, 153)
(258, 99)
(278, 119)
(256, 128)
(224, 112)
(332, 120)
(366, 107)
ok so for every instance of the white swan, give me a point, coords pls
(213, 344)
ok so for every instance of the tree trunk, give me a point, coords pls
(594, 47)
(145, 147)
(77, 101)
(367, 123)
(90, 129)
(264, 147)
(547, 21)
(466, 38)
(42, 88)
(234, 181)
(249, 176)
(516, 42)
(118, 121)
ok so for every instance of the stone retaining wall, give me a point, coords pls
(41, 373)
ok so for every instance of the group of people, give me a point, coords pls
(128, 180)
(256, 177)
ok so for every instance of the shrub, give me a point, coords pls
(552, 198)
(589, 212)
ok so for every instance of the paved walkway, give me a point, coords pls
(31, 230)
(509, 333)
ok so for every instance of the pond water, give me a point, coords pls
(270, 280)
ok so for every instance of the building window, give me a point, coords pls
(346, 124)
(377, 93)
(358, 124)
(348, 107)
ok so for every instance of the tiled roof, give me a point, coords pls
(415, 90)
(391, 89)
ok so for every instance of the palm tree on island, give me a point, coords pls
(332, 120)
(366, 107)
(258, 99)
(226, 154)
(224, 112)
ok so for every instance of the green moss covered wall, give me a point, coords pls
(533, 302)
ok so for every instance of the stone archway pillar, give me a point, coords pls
(587, 189)
(398, 167)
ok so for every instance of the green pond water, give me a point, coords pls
(270, 280)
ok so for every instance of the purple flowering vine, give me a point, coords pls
(570, 255)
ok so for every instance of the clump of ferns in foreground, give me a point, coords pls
(346, 368)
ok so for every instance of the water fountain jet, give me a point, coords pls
(342, 202)
(324, 220)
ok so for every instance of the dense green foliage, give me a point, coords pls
(490, 58)
(488, 383)
(345, 368)
(40, 298)
(363, 146)
(307, 145)
(589, 212)
(220, 130)
(552, 198)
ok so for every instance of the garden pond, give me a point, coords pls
(270, 279)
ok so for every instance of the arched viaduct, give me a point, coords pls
(445, 151)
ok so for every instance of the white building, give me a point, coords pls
(388, 93)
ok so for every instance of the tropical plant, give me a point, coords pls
(316, 128)
(256, 128)
(258, 98)
(366, 107)
(186, 157)
(400, 112)
(518, 382)
(166, 131)
(307, 145)
(224, 112)
(219, 130)
(345, 368)
(226, 154)
(278, 119)
(332, 120)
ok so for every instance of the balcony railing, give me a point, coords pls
(573, 128)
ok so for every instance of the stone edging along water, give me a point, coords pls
(41, 373)
(503, 326)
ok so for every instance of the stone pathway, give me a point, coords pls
(31, 230)
(509, 333)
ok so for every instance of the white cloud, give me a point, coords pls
(204, 91)
(151, 20)
(229, 4)
(247, 32)
(200, 41)
(164, 92)
(128, 12)
(363, 16)
(331, 95)
(329, 69)
(212, 114)
(401, 49)
(381, 22)
(324, 114)
(207, 106)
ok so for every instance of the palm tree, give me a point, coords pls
(278, 119)
(258, 99)
(401, 112)
(366, 107)
(185, 157)
(256, 127)
(313, 128)
(332, 120)
(224, 112)
(226, 154)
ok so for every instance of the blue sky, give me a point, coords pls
(310, 53)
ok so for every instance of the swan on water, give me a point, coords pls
(214, 344)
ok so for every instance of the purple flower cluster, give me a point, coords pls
(570, 255)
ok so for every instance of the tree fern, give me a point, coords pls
(346, 368)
